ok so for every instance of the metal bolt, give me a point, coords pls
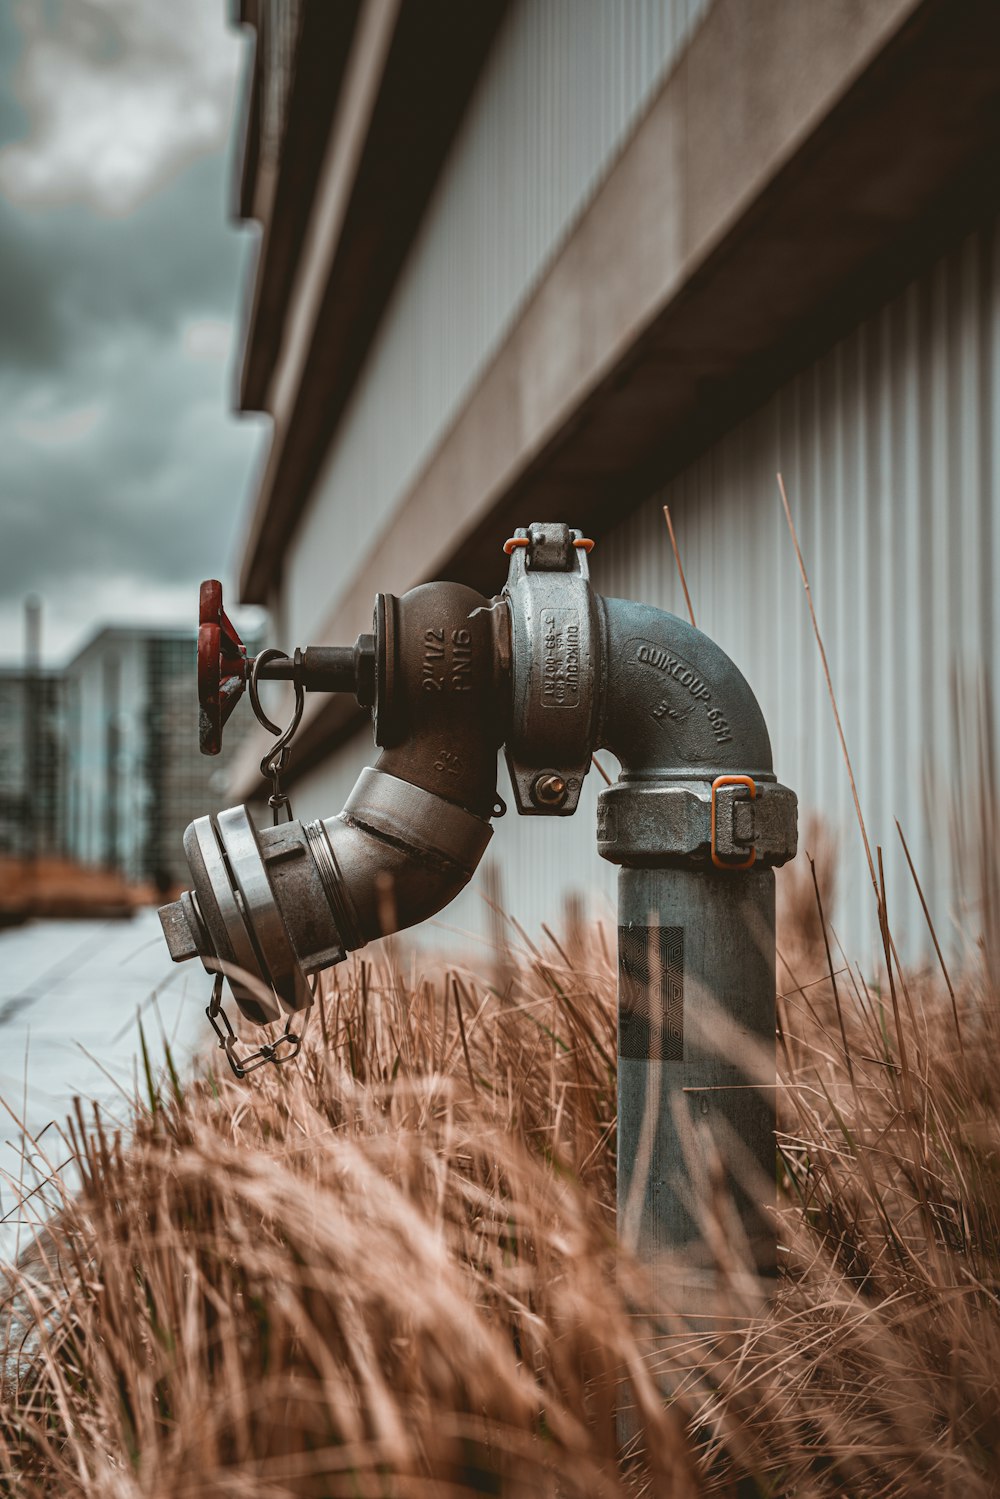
(180, 928)
(549, 790)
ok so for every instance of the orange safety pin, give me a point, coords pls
(751, 786)
(584, 542)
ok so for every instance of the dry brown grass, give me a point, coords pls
(392, 1270)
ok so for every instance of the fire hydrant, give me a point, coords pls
(551, 671)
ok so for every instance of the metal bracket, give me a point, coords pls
(553, 668)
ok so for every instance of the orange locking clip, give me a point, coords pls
(751, 786)
(583, 542)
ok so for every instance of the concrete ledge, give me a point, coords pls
(405, 120)
(283, 206)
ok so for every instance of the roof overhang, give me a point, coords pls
(404, 83)
(281, 197)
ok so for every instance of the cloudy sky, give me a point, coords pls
(124, 474)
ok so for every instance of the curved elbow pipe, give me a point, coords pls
(273, 905)
(550, 669)
(414, 829)
(697, 824)
(398, 854)
(674, 705)
(697, 785)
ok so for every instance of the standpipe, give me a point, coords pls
(550, 671)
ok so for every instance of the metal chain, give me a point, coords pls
(272, 766)
(228, 1039)
(275, 762)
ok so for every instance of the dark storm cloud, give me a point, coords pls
(28, 318)
(72, 279)
(122, 471)
(13, 120)
(119, 96)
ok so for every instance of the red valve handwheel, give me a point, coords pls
(222, 668)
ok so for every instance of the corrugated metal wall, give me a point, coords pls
(562, 89)
(888, 452)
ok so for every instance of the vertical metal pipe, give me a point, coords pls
(697, 823)
(696, 1069)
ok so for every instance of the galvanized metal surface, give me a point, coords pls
(696, 941)
(696, 1070)
(399, 811)
(564, 85)
(554, 669)
(295, 898)
(887, 449)
(888, 452)
(639, 824)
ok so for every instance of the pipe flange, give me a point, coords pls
(388, 719)
(221, 905)
(241, 845)
(643, 824)
(554, 666)
(337, 898)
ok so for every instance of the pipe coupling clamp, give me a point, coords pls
(259, 911)
(725, 823)
(554, 668)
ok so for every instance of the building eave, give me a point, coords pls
(281, 196)
(431, 63)
(248, 152)
(616, 390)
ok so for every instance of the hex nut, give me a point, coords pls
(179, 929)
(549, 789)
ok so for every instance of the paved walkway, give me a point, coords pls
(69, 996)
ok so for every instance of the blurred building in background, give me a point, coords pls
(99, 762)
(572, 259)
(32, 761)
(134, 774)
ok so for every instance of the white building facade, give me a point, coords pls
(575, 259)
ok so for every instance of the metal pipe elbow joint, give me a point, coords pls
(271, 906)
(697, 823)
(697, 784)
